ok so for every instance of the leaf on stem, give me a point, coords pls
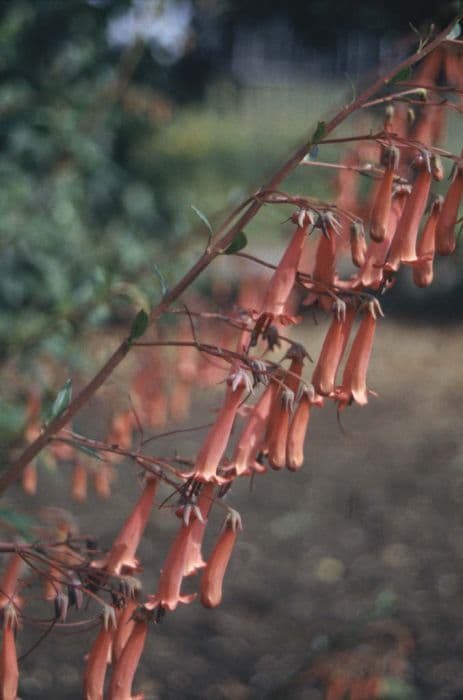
(318, 133)
(237, 244)
(203, 218)
(62, 400)
(139, 325)
(87, 450)
(404, 74)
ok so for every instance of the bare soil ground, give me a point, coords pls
(371, 527)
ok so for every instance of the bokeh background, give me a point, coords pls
(116, 118)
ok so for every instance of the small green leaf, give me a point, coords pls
(404, 74)
(62, 400)
(139, 325)
(318, 133)
(87, 450)
(237, 244)
(454, 32)
(162, 280)
(203, 218)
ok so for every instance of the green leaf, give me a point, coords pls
(162, 280)
(62, 400)
(203, 218)
(139, 325)
(237, 244)
(404, 74)
(318, 133)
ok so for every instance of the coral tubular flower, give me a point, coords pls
(403, 246)
(120, 687)
(324, 375)
(168, 595)
(324, 270)
(354, 380)
(382, 205)
(122, 554)
(125, 625)
(250, 441)
(193, 558)
(79, 482)
(445, 229)
(282, 282)
(423, 268)
(9, 671)
(9, 582)
(298, 429)
(216, 442)
(371, 274)
(212, 580)
(29, 479)
(97, 661)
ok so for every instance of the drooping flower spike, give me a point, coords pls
(9, 582)
(298, 427)
(403, 246)
(423, 268)
(382, 204)
(324, 270)
(168, 595)
(284, 277)
(371, 274)
(334, 345)
(9, 670)
(121, 558)
(120, 686)
(212, 451)
(98, 658)
(193, 558)
(446, 223)
(354, 379)
(250, 441)
(212, 579)
(277, 434)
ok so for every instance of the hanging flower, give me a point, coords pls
(193, 558)
(298, 428)
(216, 442)
(250, 441)
(324, 375)
(284, 277)
(403, 246)
(212, 580)
(382, 204)
(9, 670)
(121, 557)
(120, 687)
(371, 274)
(168, 595)
(423, 268)
(324, 270)
(445, 229)
(99, 656)
(354, 380)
